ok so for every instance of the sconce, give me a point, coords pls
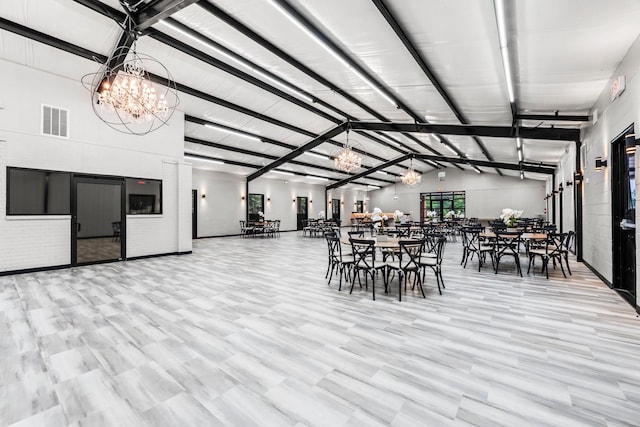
(600, 163)
(294, 200)
(630, 143)
(343, 202)
(568, 184)
(268, 199)
(310, 201)
(329, 201)
(577, 177)
(242, 198)
(204, 196)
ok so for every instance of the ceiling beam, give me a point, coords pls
(483, 163)
(372, 170)
(156, 10)
(261, 41)
(48, 40)
(295, 153)
(214, 62)
(554, 117)
(422, 63)
(552, 134)
(271, 157)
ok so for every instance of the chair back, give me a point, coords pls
(364, 254)
(409, 254)
(355, 234)
(507, 241)
(555, 244)
(439, 249)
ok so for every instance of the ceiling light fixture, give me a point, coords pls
(501, 19)
(382, 172)
(520, 155)
(238, 60)
(411, 178)
(233, 132)
(521, 175)
(519, 143)
(123, 94)
(283, 172)
(477, 169)
(450, 148)
(347, 160)
(320, 178)
(333, 52)
(213, 161)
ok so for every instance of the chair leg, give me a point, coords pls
(566, 259)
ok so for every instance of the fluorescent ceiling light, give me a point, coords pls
(319, 156)
(382, 172)
(317, 177)
(451, 149)
(432, 163)
(504, 48)
(520, 155)
(519, 143)
(335, 54)
(521, 175)
(373, 187)
(212, 161)
(477, 169)
(283, 172)
(239, 61)
(233, 132)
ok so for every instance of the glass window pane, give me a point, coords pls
(144, 196)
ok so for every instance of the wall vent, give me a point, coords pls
(55, 121)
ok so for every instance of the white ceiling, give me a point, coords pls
(563, 52)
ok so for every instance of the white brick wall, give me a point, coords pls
(93, 148)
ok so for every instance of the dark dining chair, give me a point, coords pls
(507, 245)
(116, 225)
(408, 263)
(364, 260)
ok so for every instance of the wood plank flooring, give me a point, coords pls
(247, 332)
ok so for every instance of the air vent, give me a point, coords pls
(55, 121)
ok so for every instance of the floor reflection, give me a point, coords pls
(98, 249)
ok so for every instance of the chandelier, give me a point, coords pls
(411, 178)
(347, 159)
(128, 98)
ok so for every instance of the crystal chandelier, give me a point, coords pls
(347, 160)
(132, 95)
(411, 178)
(126, 96)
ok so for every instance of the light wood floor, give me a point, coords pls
(246, 332)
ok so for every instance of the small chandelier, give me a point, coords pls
(126, 96)
(411, 178)
(347, 160)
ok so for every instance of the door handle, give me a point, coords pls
(79, 226)
(625, 224)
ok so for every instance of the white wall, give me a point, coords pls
(486, 194)
(613, 117)
(222, 209)
(92, 148)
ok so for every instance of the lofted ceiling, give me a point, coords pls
(275, 84)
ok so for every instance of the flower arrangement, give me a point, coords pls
(431, 215)
(510, 217)
(321, 214)
(261, 214)
(450, 214)
(376, 217)
(397, 215)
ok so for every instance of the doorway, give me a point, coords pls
(194, 214)
(335, 210)
(302, 212)
(97, 220)
(623, 206)
(359, 206)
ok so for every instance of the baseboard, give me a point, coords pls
(638, 309)
(34, 270)
(158, 255)
(597, 273)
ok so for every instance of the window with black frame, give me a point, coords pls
(144, 196)
(256, 207)
(441, 203)
(38, 192)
